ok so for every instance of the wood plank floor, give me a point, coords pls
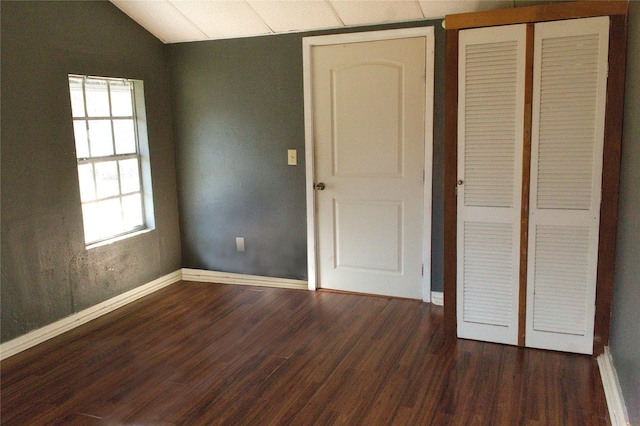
(203, 354)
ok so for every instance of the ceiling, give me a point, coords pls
(175, 21)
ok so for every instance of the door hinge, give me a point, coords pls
(423, 175)
(423, 269)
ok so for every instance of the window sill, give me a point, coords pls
(119, 238)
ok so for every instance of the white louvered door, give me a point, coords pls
(490, 135)
(569, 97)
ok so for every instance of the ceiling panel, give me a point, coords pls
(223, 18)
(359, 12)
(161, 19)
(174, 21)
(296, 15)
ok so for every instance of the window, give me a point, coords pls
(108, 117)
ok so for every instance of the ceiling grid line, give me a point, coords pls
(335, 12)
(260, 17)
(187, 18)
(420, 8)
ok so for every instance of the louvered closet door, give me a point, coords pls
(570, 73)
(490, 139)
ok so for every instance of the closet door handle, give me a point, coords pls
(460, 182)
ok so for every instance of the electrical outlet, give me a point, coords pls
(292, 157)
(240, 243)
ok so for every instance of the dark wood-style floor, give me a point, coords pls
(202, 354)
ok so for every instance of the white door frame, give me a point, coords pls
(307, 44)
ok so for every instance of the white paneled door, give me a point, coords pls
(369, 132)
(490, 134)
(569, 88)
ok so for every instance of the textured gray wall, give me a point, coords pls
(46, 272)
(238, 106)
(625, 321)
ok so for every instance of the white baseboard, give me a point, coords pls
(437, 298)
(241, 279)
(50, 331)
(612, 391)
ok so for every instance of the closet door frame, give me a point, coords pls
(617, 11)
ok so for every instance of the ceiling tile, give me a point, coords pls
(161, 19)
(440, 8)
(358, 12)
(294, 15)
(222, 18)
(174, 21)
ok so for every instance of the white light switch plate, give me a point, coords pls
(239, 243)
(292, 157)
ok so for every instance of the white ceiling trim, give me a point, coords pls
(177, 21)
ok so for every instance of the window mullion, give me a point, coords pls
(113, 132)
(119, 177)
(86, 119)
(86, 114)
(144, 213)
(135, 120)
(121, 211)
(107, 158)
(95, 181)
(112, 197)
(120, 192)
(124, 117)
(115, 152)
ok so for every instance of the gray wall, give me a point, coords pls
(625, 326)
(46, 272)
(238, 106)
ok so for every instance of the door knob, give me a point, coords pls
(460, 182)
(319, 186)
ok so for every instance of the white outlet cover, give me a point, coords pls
(240, 243)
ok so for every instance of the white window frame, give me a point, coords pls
(141, 154)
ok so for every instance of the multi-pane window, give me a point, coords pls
(107, 149)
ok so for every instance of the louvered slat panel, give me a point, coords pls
(569, 94)
(490, 125)
(490, 118)
(561, 265)
(488, 273)
(568, 83)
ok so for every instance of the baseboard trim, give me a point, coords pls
(437, 298)
(202, 275)
(50, 331)
(612, 390)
